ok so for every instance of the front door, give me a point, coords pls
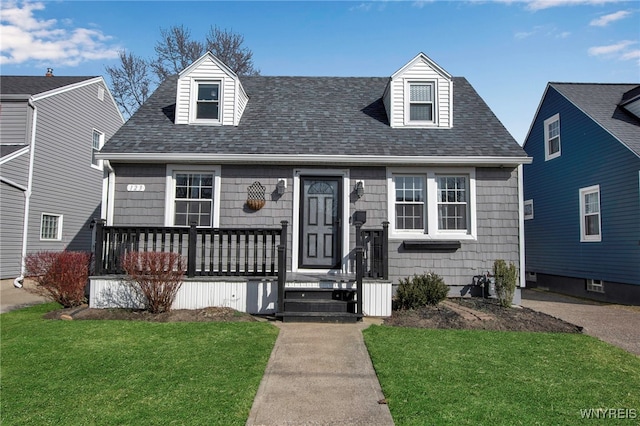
(321, 229)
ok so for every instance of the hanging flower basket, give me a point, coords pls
(255, 196)
(255, 204)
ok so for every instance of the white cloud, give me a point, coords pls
(633, 54)
(610, 49)
(543, 31)
(620, 51)
(547, 4)
(25, 37)
(605, 20)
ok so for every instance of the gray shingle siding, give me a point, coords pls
(498, 229)
(138, 208)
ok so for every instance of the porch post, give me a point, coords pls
(191, 250)
(282, 265)
(98, 249)
(359, 266)
(385, 250)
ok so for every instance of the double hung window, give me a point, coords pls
(590, 214)
(192, 195)
(552, 137)
(193, 199)
(96, 145)
(207, 103)
(409, 204)
(430, 204)
(421, 102)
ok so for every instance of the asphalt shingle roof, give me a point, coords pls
(32, 85)
(601, 103)
(317, 116)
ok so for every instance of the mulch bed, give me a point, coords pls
(508, 319)
(440, 316)
(178, 315)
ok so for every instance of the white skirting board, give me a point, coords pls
(251, 296)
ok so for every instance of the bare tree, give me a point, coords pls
(175, 51)
(228, 47)
(130, 81)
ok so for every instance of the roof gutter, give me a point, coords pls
(308, 159)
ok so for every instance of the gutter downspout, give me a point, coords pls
(523, 281)
(27, 195)
(108, 193)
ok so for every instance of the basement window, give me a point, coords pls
(596, 286)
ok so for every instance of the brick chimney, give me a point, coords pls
(49, 72)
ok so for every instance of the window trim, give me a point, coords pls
(193, 110)
(547, 155)
(59, 225)
(431, 230)
(100, 164)
(524, 209)
(583, 236)
(170, 185)
(407, 103)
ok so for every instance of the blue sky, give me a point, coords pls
(507, 49)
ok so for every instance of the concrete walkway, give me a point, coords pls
(615, 324)
(15, 298)
(320, 374)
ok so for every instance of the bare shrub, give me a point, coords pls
(59, 276)
(158, 276)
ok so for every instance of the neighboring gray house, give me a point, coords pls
(582, 192)
(50, 179)
(419, 150)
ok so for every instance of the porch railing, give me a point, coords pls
(209, 251)
(375, 255)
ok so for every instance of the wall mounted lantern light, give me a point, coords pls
(281, 186)
(359, 188)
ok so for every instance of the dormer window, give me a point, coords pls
(421, 102)
(207, 102)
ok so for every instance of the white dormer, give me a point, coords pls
(209, 93)
(419, 95)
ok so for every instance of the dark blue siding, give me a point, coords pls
(590, 156)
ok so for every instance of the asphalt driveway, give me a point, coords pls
(615, 324)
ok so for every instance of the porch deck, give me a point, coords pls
(247, 269)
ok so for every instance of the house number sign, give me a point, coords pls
(135, 188)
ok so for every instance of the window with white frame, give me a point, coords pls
(595, 286)
(431, 204)
(421, 102)
(409, 204)
(552, 137)
(590, 224)
(191, 195)
(528, 209)
(96, 144)
(453, 206)
(207, 101)
(51, 227)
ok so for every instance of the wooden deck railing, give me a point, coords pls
(232, 251)
(208, 251)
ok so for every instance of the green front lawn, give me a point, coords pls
(461, 377)
(126, 373)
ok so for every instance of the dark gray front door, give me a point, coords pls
(321, 230)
